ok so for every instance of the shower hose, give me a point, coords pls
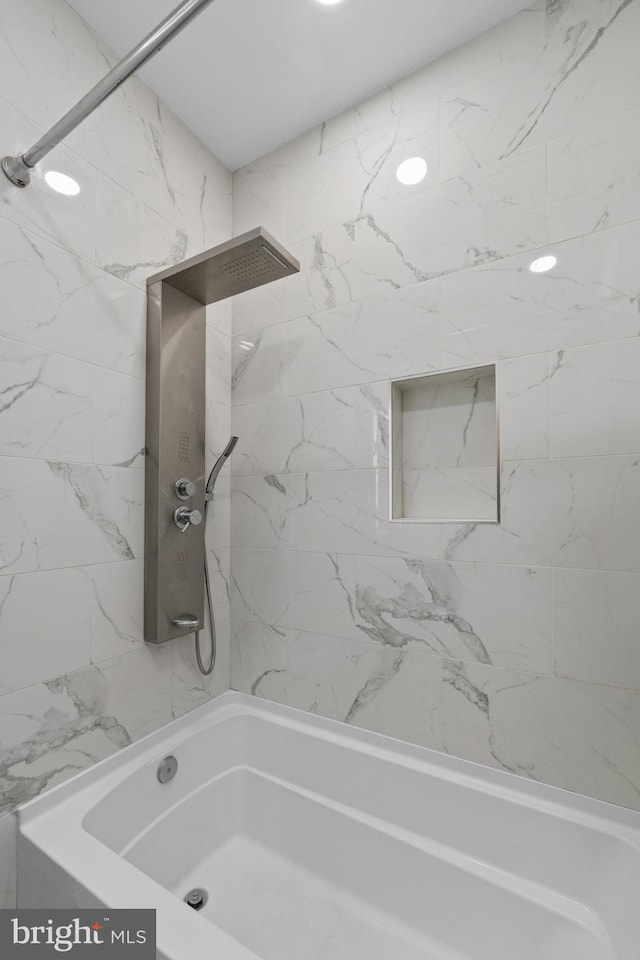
(207, 582)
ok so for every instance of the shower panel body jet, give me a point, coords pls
(175, 421)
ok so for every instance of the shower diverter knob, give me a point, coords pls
(185, 488)
(183, 517)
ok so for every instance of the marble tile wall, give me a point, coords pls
(514, 645)
(77, 681)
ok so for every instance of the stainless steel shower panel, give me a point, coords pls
(247, 261)
(174, 538)
(175, 447)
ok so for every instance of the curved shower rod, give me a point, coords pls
(18, 168)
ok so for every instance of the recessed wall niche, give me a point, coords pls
(444, 447)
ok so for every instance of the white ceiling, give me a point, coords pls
(248, 75)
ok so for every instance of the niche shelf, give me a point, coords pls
(445, 454)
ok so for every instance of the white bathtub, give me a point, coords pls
(316, 840)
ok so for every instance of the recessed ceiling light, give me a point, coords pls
(412, 171)
(61, 183)
(329, 3)
(543, 264)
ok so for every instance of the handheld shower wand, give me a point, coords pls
(211, 482)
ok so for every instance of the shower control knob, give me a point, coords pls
(183, 517)
(185, 488)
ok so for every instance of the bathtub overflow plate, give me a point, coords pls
(197, 898)
(167, 769)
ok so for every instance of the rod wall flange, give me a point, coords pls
(16, 170)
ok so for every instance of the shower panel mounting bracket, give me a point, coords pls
(175, 420)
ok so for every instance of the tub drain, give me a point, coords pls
(197, 898)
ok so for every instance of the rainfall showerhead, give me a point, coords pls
(247, 261)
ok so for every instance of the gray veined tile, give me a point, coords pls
(118, 420)
(115, 600)
(596, 615)
(40, 639)
(52, 730)
(505, 310)
(60, 514)
(594, 395)
(45, 404)
(580, 513)
(258, 660)
(390, 691)
(150, 243)
(485, 613)
(41, 210)
(58, 302)
(259, 511)
(299, 591)
(594, 181)
(396, 334)
(578, 736)
(189, 687)
(258, 364)
(558, 70)
(347, 511)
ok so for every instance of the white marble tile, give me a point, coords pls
(218, 530)
(59, 514)
(325, 191)
(45, 404)
(259, 511)
(220, 316)
(389, 691)
(118, 419)
(596, 615)
(569, 513)
(524, 408)
(218, 375)
(392, 335)
(50, 731)
(486, 613)
(594, 181)
(44, 637)
(258, 308)
(504, 310)
(449, 421)
(258, 661)
(190, 688)
(341, 429)
(578, 736)
(217, 430)
(347, 511)
(451, 493)
(403, 699)
(260, 203)
(490, 214)
(298, 591)
(50, 40)
(116, 608)
(487, 215)
(595, 395)
(8, 862)
(283, 159)
(56, 301)
(557, 72)
(258, 361)
(265, 442)
(358, 176)
(149, 243)
(68, 221)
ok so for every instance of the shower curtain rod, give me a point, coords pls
(18, 168)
